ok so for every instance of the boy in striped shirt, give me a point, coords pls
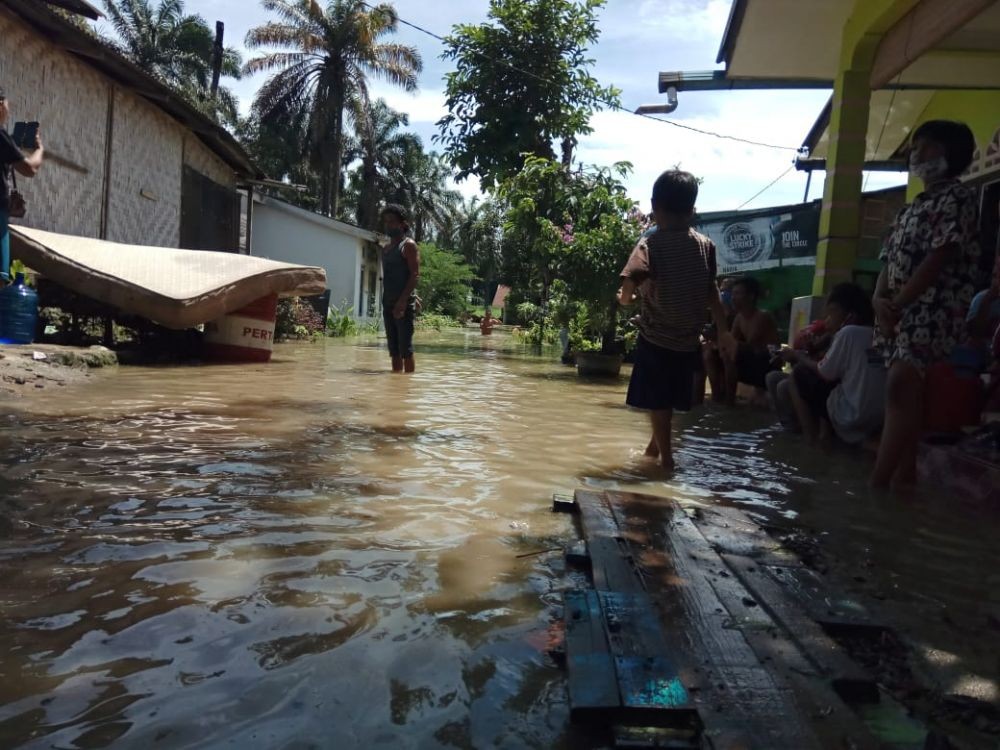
(675, 267)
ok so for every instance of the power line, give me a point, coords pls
(612, 105)
(770, 185)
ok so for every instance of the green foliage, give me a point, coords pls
(16, 267)
(521, 84)
(320, 74)
(436, 321)
(296, 320)
(340, 321)
(444, 281)
(569, 234)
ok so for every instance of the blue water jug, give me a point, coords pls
(18, 312)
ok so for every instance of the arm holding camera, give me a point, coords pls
(31, 163)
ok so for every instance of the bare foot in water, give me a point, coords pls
(668, 464)
(652, 450)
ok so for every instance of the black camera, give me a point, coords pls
(25, 135)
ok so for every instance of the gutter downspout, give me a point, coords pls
(661, 109)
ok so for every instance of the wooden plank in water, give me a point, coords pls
(612, 565)
(741, 703)
(850, 681)
(593, 686)
(647, 676)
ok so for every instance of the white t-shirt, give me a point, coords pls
(857, 404)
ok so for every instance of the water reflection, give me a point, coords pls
(319, 553)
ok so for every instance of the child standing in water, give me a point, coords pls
(676, 268)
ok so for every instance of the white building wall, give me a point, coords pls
(292, 235)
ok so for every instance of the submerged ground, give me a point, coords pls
(317, 553)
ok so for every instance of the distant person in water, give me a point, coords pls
(488, 323)
(400, 274)
(674, 268)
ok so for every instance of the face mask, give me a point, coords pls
(396, 233)
(928, 171)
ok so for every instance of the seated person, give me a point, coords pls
(712, 367)
(756, 335)
(843, 393)
(488, 323)
(814, 340)
(981, 324)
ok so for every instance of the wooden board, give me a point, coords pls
(741, 703)
(593, 687)
(850, 681)
(612, 565)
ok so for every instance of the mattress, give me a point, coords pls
(175, 288)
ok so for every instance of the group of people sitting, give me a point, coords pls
(877, 367)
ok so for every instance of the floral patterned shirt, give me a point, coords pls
(946, 216)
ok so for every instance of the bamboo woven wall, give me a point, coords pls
(198, 156)
(70, 100)
(146, 163)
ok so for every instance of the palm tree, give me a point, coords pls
(423, 187)
(323, 69)
(178, 48)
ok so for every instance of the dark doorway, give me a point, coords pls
(210, 214)
(990, 223)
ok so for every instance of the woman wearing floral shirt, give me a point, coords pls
(930, 275)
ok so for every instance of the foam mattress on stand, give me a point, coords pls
(175, 288)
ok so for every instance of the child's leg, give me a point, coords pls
(715, 369)
(732, 378)
(653, 449)
(904, 414)
(803, 412)
(661, 433)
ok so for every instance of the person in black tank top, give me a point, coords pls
(400, 274)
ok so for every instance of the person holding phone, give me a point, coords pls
(12, 158)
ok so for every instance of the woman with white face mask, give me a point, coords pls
(930, 276)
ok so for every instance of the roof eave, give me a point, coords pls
(732, 32)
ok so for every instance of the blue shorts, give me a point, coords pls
(662, 379)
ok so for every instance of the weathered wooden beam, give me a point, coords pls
(850, 681)
(928, 24)
(593, 687)
(612, 565)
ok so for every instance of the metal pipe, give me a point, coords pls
(661, 109)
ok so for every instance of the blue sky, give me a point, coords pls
(639, 39)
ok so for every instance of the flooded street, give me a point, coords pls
(318, 553)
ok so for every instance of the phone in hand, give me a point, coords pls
(26, 135)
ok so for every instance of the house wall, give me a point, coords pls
(144, 205)
(71, 100)
(292, 236)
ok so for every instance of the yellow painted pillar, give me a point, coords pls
(840, 221)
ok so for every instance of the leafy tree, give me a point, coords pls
(178, 48)
(423, 188)
(476, 233)
(444, 281)
(570, 231)
(382, 151)
(321, 73)
(521, 85)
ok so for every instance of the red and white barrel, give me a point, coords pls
(244, 335)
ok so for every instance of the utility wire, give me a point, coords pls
(770, 185)
(612, 105)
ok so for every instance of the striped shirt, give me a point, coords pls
(673, 270)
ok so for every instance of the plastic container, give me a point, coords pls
(18, 312)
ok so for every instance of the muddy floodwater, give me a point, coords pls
(317, 553)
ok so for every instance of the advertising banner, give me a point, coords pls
(784, 238)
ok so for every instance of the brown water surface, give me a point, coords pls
(317, 553)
